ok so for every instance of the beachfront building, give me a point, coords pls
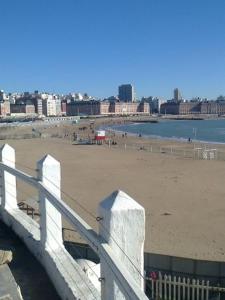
(3, 96)
(63, 108)
(220, 108)
(51, 106)
(154, 103)
(77, 108)
(22, 108)
(38, 106)
(133, 108)
(181, 108)
(106, 108)
(27, 98)
(170, 108)
(213, 107)
(5, 108)
(193, 107)
(126, 93)
(186, 108)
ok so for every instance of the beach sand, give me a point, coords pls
(184, 199)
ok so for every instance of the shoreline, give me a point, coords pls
(181, 140)
(66, 130)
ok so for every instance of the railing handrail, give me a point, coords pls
(125, 281)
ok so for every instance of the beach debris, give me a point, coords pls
(166, 214)
(6, 256)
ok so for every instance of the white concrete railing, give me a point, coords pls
(119, 244)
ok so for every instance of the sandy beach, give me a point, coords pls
(183, 198)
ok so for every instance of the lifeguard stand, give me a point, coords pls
(100, 137)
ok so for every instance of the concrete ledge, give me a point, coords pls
(8, 285)
(26, 228)
(66, 275)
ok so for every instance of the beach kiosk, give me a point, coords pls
(100, 137)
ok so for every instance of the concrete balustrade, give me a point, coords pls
(51, 220)
(122, 226)
(119, 243)
(8, 181)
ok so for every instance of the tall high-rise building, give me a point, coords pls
(126, 93)
(3, 96)
(177, 95)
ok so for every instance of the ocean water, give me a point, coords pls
(199, 130)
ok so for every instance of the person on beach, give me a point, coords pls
(153, 276)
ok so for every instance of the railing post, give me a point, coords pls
(8, 181)
(50, 218)
(122, 226)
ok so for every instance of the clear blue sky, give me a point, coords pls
(95, 45)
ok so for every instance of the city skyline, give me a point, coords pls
(84, 95)
(83, 46)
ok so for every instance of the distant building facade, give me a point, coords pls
(169, 108)
(78, 108)
(186, 108)
(5, 108)
(126, 93)
(154, 103)
(38, 106)
(123, 108)
(28, 109)
(106, 108)
(63, 108)
(3, 96)
(51, 106)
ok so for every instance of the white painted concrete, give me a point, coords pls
(92, 271)
(8, 181)
(66, 275)
(123, 229)
(119, 213)
(50, 220)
